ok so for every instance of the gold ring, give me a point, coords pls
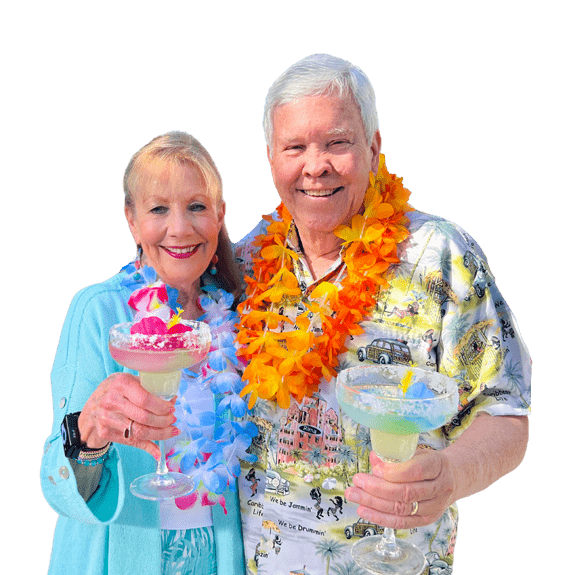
(414, 508)
(128, 431)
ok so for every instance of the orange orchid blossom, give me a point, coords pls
(293, 362)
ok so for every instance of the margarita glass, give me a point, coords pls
(373, 396)
(159, 358)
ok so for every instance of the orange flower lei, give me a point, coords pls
(293, 362)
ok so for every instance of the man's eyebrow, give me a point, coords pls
(341, 132)
(334, 132)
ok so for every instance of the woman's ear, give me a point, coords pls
(129, 212)
(221, 214)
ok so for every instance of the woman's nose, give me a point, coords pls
(179, 223)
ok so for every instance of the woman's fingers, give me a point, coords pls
(122, 411)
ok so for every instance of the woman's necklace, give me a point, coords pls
(293, 362)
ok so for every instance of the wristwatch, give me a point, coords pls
(74, 447)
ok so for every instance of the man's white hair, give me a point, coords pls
(318, 75)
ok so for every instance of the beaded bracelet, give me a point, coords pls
(96, 457)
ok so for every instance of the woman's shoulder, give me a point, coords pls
(110, 288)
(103, 302)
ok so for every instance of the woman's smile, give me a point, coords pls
(181, 253)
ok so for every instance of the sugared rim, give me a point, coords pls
(200, 333)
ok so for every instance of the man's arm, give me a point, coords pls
(491, 447)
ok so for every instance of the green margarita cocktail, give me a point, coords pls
(396, 403)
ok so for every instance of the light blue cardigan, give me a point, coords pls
(114, 532)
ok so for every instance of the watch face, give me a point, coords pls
(64, 433)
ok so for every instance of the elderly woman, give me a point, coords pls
(175, 211)
(349, 273)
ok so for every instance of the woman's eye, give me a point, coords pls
(197, 207)
(158, 210)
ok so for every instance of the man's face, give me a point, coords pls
(320, 161)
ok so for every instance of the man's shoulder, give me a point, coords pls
(422, 221)
(245, 247)
(438, 232)
(259, 229)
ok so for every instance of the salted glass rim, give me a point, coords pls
(351, 386)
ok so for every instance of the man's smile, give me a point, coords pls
(324, 193)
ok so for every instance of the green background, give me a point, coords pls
(472, 103)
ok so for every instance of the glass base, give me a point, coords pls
(156, 487)
(409, 560)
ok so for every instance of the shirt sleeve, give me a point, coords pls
(82, 362)
(480, 345)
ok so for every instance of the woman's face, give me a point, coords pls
(176, 221)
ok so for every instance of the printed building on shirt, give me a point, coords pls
(311, 430)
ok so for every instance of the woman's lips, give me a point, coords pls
(181, 253)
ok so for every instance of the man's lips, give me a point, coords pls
(323, 193)
(181, 252)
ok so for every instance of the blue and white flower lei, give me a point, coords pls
(211, 460)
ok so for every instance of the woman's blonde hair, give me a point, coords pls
(183, 149)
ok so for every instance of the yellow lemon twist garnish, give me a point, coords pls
(406, 380)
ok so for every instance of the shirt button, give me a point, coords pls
(64, 473)
(62, 403)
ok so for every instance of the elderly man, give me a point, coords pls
(347, 273)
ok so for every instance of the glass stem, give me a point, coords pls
(387, 546)
(162, 468)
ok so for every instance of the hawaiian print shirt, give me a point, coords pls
(442, 312)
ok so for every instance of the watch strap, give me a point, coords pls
(74, 447)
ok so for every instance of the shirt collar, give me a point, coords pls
(300, 266)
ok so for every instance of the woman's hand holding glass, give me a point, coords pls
(120, 403)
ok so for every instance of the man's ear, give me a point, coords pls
(269, 154)
(375, 150)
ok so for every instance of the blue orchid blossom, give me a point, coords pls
(225, 382)
(225, 350)
(231, 429)
(199, 419)
(235, 403)
(138, 278)
(173, 294)
(235, 451)
(213, 477)
(217, 310)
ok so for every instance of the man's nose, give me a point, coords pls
(317, 163)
